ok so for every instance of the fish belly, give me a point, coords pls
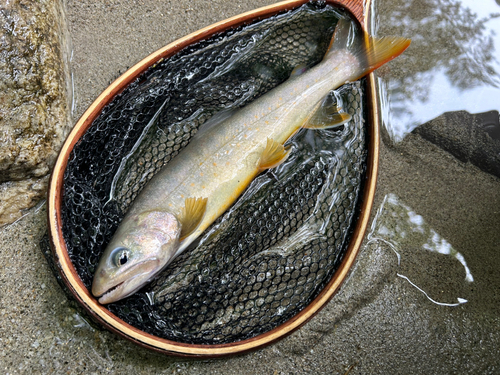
(221, 163)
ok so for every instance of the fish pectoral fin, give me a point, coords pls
(274, 154)
(328, 113)
(193, 212)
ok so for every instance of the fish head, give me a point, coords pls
(141, 247)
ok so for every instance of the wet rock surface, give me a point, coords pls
(34, 109)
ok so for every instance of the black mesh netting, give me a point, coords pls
(266, 258)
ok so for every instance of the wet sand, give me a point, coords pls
(377, 324)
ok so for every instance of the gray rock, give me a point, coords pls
(18, 195)
(34, 104)
(473, 138)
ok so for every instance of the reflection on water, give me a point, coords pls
(81, 322)
(407, 234)
(450, 65)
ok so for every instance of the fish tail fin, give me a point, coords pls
(379, 51)
(371, 52)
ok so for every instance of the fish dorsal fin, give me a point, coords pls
(328, 113)
(274, 154)
(214, 121)
(370, 52)
(343, 36)
(190, 218)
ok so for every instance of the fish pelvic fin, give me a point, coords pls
(328, 113)
(371, 52)
(274, 154)
(191, 216)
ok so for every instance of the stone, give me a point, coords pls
(34, 100)
(19, 195)
(473, 138)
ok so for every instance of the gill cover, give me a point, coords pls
(141, 247)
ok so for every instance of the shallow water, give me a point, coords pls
(379, 323)
(452, 63)
(437, 211)
(404, 231)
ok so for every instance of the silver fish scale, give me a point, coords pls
(278, 245)
(266, 259)
(263, 57)
(99, 185)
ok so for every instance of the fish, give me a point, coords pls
(196, 187)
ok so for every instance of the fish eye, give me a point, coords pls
(120, 256)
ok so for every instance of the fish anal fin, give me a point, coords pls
(274, 154)
(327, 114)
(191, 216)
(334, 121)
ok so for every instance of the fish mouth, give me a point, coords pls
(128, 283)
(107, 297)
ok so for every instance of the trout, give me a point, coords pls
(213, 170)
